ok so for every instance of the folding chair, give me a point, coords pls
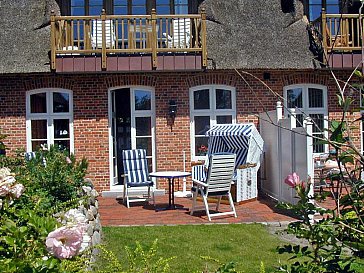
(136, 174)
(218, 184)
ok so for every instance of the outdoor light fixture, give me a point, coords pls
(172, 110)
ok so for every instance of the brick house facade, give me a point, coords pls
(271, 44)
(91, 104)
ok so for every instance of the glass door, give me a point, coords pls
(143, 123)
(132, 121)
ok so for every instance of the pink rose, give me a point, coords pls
(4, 189)
(64, 242)
(292, 180)
(68, 160)
(17, 190)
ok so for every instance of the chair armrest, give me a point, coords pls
(200, 183)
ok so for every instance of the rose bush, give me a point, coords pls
(41, 205)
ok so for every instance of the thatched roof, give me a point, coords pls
(256, 34)
(25, 35)
(241, 34)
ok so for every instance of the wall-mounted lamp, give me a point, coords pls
(172, 110)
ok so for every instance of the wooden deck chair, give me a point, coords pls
(340, 39)
(96, 35)
(218, 184)
(136, 174)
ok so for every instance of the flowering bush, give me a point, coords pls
(65, 242)
(8, 188)
(326, 250)
(202, 150)
(35, 235)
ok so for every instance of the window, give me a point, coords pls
(314, 8)
(124, 7)
(309, 101)
(49, 118)
(210, 105)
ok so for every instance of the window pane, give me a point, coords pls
(120, 11)
(315, 98)
(202, 124)
(36, 145)
(61, 128)
(317, 146)
(201, 99)
(181, 9)
(96, 2)
(77, 11)
(143, 126)
(201, 146)
(95, 10)
(223, 99)
(224, 119)
(333, 9)
(294, 98)
(318, 122)
(299, 120)
(77, 2)
(39, 129)
(318, 131)
(144, 143)
(142, 100)
(63, 144)
(163, 10)
(38, 103)
(61, 102)
(138, 2)
(139, 11)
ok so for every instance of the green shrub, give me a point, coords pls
(53, 182)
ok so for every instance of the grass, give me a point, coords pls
(246, 244)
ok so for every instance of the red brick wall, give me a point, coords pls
(90, 94)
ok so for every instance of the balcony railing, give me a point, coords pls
(115, 35)
(340, 32)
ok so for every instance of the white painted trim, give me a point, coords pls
(148, 113)
(49, 116)
(212, 112)
(305, 102)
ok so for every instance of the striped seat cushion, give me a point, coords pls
(136, 168)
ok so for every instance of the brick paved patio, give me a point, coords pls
(114, 213)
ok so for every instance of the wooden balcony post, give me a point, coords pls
(203, 37)
(324, 33)
(154, 38)
(103, 49)
(53, 40)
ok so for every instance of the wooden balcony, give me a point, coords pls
(128, 42)
(341, 38)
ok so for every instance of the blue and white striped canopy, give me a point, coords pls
(231, 138)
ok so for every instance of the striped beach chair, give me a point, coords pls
(218, 184)
(136, 175)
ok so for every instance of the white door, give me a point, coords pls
(132, 120)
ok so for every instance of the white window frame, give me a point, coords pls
(49, 116)
(134, 114)
(212, 111)
(310, 110)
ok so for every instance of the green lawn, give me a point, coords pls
(246, 244)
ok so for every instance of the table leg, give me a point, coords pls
(170, 181)
(172, 186)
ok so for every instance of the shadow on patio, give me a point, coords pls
(114, 213)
